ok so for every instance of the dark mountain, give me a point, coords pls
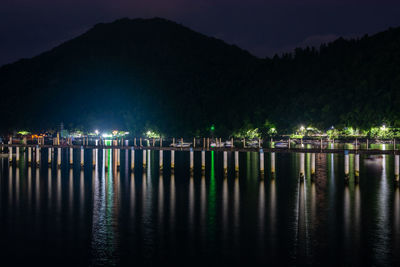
(127, 74)
(140, 74)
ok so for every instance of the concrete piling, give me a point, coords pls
(172, 159)
(346, 166)
(273, 162)
(59, 157)
(82, 157)
(357, 167)
(17, 154)
(29, 155)
(236, 161)
(161, 160)
(396, 169)
(49, 152)
(312, 166)
(118, 154)
(71, 156)
(203, 160)
(106, 158)
(225, 162)
(261, 161)
(94, 156)
(37, 156)
(191, 159)
(302, 173)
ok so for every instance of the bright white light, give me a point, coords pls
(383, 127)
(106, 135)
(301, 128)
(96, 132)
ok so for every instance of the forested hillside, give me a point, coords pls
(156, 74)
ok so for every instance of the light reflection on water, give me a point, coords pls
(382, 233)
(109, 215)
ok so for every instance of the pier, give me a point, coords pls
(217, 149)
(104, 151)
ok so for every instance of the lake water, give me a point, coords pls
(70, 216)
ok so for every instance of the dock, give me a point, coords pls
(96, 150)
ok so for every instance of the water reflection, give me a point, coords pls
(37, 191)
(382, 233)
(132, 195)
(225, 206)
(10, 186)
(71, 190)
(347, 218)
(49, 186)
(29, 186)
(161, 205)
(261, 212)
(104, 223)
(172, 204)
(147, 213)
(302, 226)
(357, 217)
(313, 199)
(191, 205)
(59, 192)
(236, 212)
(273, 214)
(17, 178)
(203, 205)
(396, 222)
(211, 211)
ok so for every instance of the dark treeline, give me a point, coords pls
(156, 74)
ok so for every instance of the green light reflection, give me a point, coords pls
(212, 199)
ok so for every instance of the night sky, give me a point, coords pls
(264, 28)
